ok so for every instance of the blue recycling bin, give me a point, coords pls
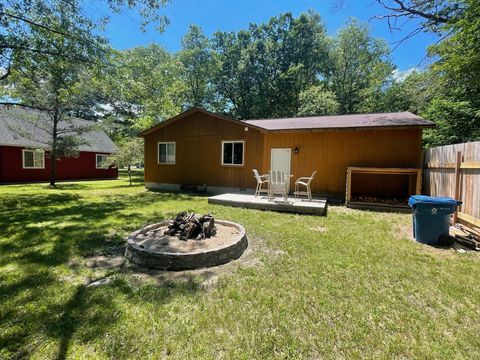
(431, 217)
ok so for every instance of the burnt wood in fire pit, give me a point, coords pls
(192, 226)
(152, 248)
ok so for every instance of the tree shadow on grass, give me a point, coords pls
(67, 221)
(47, 234)
(91, 311)
(40, 232)
(34, 280)
(84, 317)
(85, 186)
(177, 195)
(19, 316)
(15, 202)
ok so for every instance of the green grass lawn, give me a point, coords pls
(349, 285)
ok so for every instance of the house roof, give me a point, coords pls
(28, 128)
(311, 123)
(379, 120)
(194, 110)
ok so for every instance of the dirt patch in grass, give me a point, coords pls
(341, 209)
(451, 251)
(105, 262)
(319, 229)
(207, 277)
(403, 230)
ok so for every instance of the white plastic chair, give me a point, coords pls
(277, 184)
(261, 179)
(304, 181)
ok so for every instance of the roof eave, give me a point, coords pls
(353, 128)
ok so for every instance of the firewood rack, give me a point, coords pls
(415, 185)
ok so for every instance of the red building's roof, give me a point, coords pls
(32, 128)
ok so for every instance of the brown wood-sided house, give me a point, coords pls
(198, 147)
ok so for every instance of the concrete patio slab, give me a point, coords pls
(292, 205)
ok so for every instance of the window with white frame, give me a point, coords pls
(232, 152)
(166, 152)
(100, 160)
(33, 159)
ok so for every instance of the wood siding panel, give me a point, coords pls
(331, 152)
(198, 153)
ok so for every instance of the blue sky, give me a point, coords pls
(228, 15)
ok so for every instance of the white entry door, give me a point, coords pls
(280, 161)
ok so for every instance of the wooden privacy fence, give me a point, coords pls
(454, 171)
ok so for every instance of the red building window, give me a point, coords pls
(100, 161)
(33, 159)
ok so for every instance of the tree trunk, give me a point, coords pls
(53, 170)
(130, 174)
(53, 153)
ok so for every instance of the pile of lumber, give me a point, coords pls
(467, 237)
(192, 226)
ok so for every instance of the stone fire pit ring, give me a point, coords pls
(170, 258)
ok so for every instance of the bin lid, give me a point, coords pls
(423, 199)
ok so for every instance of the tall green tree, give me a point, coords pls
(448, 92)
(360, 67)
(138, 88)
(50, 82)
(198, 63)
(460, 54)
(457, 121)
(456, 109)
(412, 93)
(22, 20)
(316, 100)
(50, 53)
(264, 69)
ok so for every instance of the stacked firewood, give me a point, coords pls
(380, 200)
(192, 226)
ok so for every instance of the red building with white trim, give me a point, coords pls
(24, 136)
